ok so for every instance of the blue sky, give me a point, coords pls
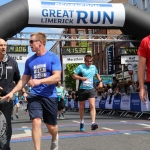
(45, 30)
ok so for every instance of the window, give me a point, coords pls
(90, 32)
(144, 4)
(80, 32)
(134, 2)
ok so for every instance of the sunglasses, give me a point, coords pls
(88, 61)
(32, 41)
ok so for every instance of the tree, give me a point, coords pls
(69, 81)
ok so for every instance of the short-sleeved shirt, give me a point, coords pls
(144, 51)
(42, 67)
(89, 73)
(60, 91)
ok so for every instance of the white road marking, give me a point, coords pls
(107, 129)
(26, 134)
(127, 133)
(123, 121)
(75, 121)
(146, 125)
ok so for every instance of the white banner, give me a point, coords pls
(145, 106)
(48, 12)
(107, 105)
(20, 58)
(97, 102)
(125, 102)
(71, 59)
(129, 59)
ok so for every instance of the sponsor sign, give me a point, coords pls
(110, 60)
(75, 13)
(129, 59)
(108, 104)
(17, 49)
(2, 124)
(145, 106)
(107, 79)
(20, 58)
(74, 50)
(135, 102)
(102, 104)
(125, 102)
(73, 59)
(116, 102)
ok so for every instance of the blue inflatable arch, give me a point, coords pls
(18, 14)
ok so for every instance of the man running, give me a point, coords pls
(85, 73)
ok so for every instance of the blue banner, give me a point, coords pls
(102, 104)
(110, 60)
(135, 102)
(116, 102)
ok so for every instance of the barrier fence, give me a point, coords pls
(124, 104)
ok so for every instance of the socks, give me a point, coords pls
(82, 121)
(93, 122)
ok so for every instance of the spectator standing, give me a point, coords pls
(60, 98)
(9, 73)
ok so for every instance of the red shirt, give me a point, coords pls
(144, 51)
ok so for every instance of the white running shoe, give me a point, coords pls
(54, 145)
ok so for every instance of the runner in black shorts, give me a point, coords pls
(85, 73)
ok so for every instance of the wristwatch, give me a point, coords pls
(100, 81)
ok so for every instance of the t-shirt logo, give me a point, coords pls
(40, 71)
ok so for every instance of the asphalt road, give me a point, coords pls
(114, 133)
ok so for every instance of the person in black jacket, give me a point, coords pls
(9, 74)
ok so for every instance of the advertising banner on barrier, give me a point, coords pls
(125, 102)
(117, 102)
(135, 102)
(87, 104)
(102, 104)
(97, 100)
(145, 106)
(75, 13)
(108, 104)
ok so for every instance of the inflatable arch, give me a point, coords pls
(18, 14)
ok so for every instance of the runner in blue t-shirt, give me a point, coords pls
(42, 72)
(85, 73)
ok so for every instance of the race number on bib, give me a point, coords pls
(88, 82)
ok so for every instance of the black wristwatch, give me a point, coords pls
(100, 81)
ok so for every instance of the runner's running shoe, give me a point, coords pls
(82, 127)
(94, 126)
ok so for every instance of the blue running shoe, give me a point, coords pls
(94, 126)
(82, 127)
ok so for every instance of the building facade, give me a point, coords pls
(141, 4)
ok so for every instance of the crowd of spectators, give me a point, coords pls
(118, 88)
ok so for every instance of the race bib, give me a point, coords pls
(88, 82)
